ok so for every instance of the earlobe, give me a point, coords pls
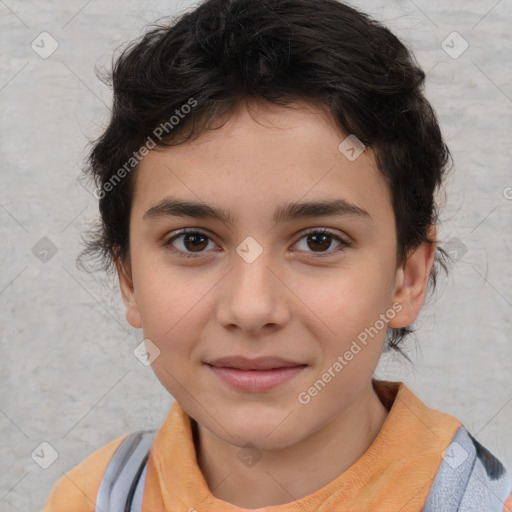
(411, 282)
(128, 293)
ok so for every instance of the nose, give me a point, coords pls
(254, 297)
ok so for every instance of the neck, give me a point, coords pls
(279, 475)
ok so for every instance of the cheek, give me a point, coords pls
(349, 301)
(163, 292)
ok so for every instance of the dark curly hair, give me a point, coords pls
(227, 51)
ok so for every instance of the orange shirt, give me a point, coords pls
(395, 473)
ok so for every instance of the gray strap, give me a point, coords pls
(139, 492)
(121, 472)
(486, 489)
(462, 483)
(451, 479)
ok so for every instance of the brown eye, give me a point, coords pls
(194, 241)
(320, 241)
(190, 242)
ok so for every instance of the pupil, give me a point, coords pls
(188, 238)
(324, 237)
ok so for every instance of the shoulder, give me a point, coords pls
(78, 487)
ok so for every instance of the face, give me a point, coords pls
(267, 279)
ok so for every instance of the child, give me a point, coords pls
(266, 187)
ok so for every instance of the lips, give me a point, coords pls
(255, 375)
(260, 363)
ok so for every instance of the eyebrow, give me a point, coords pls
(172, 207)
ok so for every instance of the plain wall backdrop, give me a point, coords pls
(68, 373)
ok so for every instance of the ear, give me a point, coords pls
(128, 292)
(411, 282)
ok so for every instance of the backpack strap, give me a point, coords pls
(122, 486)
(469, 478)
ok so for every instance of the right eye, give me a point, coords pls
(191, 239)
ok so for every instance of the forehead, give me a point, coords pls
(261, 157)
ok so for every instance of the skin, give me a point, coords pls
(291, 301)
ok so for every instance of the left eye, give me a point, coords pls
(321, 238)
(315, 238)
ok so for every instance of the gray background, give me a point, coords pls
(68, 373)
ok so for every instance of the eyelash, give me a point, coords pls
(312, 231)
